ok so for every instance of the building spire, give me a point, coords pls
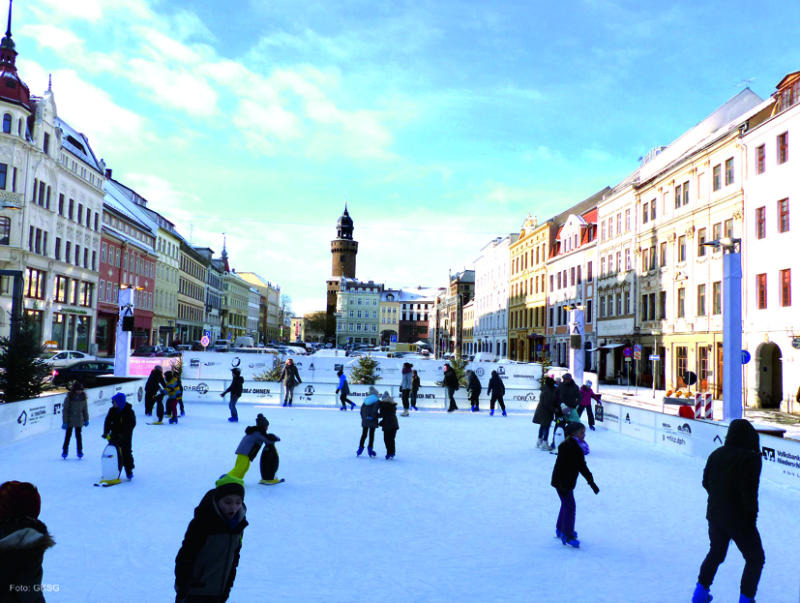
(49, 82)
(7, 42)
(225, 253)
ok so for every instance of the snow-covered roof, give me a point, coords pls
(77, 144)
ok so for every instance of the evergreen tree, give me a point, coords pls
(273, 374)
(459, 366)
(23, 371)
(364, 372)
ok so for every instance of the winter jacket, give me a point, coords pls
(587, 393)
(290, 375)
(405, 380)
(546, 408)
(369, 411)
(343, 387)
(252, 441)
(119, 425)
(731, 477)
(569, 462)
(75, 411)
(23, 541)
(207, 560)
(473, 384)
(495, 386)
(415, 384)
(569, 393)
(450, 379)
(174, 389)
(235, 388)
(387, 411)
(155, 382)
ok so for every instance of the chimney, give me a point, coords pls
(108, 173)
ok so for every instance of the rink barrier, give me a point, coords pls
(19, 420)
(780, 457)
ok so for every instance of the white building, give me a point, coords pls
(492, 275)
(357, 319)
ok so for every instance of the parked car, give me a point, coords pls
(145, 350)
(85, 371)
(168, 351)
(60, 358)
(222, 345)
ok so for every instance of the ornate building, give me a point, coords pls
(343, 265)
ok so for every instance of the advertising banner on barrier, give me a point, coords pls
(637, 423)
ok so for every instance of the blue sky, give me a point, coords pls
(441, 124)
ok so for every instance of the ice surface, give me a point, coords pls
(464, 513)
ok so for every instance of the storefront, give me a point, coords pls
(71, 329)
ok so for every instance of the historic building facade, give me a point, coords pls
(490, 313)
(357, 320)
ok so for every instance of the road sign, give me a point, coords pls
(637, 351)
(393, 338)
(637, 347)
(745, 356)
(627, 352)
(628, 359)
(654, 357)
(796, 343)
(207, 334)
(204, 341)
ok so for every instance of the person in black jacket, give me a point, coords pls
(118, 430)
(291, 379)
(23, 542)
(496, 390)
(451, 383)
(473, 390)
(205, 566)
(235, 389)
(415, 383)
(154, 391)
(545, 411)
(731, 479)
(569, 463)
(387, 411)
(569, 393)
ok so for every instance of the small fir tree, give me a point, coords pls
(459, 366)
(273, 374)
(23, 372)
(365, 371)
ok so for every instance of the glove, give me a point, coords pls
(86, 423)
(594, 488)
(106, 436)
(222, 395)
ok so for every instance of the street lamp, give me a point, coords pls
(653, 360)
(731, 325)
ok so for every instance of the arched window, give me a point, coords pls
(7, 123)
(5, 230)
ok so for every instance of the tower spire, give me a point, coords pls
(7, 42)
(8, 29)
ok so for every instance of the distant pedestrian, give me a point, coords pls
(587, 395)
(23, 542)
(180, 392)
(450, 382)
(731, 479)
(290, 377)
(545, 411)
(496, 390)
(387, 411)
(474, 389)
(154, 391)
(570, 461)
(235, 389)
(118, 430)
(343, 389)
(369, 421)
(74, 415)
(405, 387)
(415, 383)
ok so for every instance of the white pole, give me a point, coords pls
(122, 346)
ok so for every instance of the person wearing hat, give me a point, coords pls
(405, 387)
(74, 415)
(474, 389)
(235, 389)
(496, 390)
(546, 411)
(343, 389)
(118, 430)
(205, 567)
(387, 412)
(254, 437)
(571, 460)
(154, 392)
(23, 542)
(174, 392)
(369, 421)
(290, 377)
(587, 394)
(568, 392)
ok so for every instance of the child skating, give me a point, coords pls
(254, 437)
(387, 411)
(369, 421)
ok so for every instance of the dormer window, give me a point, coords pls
(46, 145)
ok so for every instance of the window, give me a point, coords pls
(682, 248)
(602, 266)
(644, 307)
(761, 291)
(653, 209)
(681, 302)
(34, 283)
(729, 171)
(619, 224)
(5, 230)
(677, 196)
(588, 310)
(662, 253)
(603, 231)
(728, 227)
(619, 261)
(77, 255)
(701, 238)
(619, 304)
(589, 272)
(686, 193)
(61, 204)
(716, 178)
(783, 215)
(701, 300)
(681, 362)
(80, 213)
(761, 154)
(662, 305)
(3, 175)
(62, 284)
(67, 251)
(716, 231)
(786, 287)
(46, 143)
(783, 148)
(627, 259)
(71, 214)
(761, 222)
(58, 248)
(610, 228)
(7, 123)
(627, 220)
(645, 214)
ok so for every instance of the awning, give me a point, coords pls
(610, 346)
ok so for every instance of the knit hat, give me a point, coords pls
(373, 391)
(227, 484)
(19, 499)
(119, 400)
(588, 383)
(235, 371)
(386, 397)
(261, 421)
(572, 428)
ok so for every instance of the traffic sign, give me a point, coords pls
(204, 341)
(637, 351)
(654, 357)
(207, 334)
(627, 352)
(393, 338)
(628, 359)
(745, 356)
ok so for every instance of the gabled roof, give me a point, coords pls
(77, 144)
(788, 80)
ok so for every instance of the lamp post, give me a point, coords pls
(731, 326)
(655, 355)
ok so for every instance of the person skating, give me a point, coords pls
(118, 430)
(74, 415)
(496, 390)
(343, 389)
(369, 421)
(387, 412)
(587, 395)
(570, 461)
(405, 387)
(205, 567)
(450, 382)
(254, 437)
(235, 389)
(545, 411)
(174, 393)
(473, 390)
(290, 377)
(23, 542)
(415, 383)
(180, 393)
(568, 392)
(154, 392)
(731, 477)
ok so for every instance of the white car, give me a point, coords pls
(62, 358)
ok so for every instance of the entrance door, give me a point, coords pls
(769, 375)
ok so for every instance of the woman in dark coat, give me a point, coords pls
(451, 383)
(415, 383)
(545, 411)
(154, 392)
(74, 415)
(496, 390)
(731, 479)
(387, 411)
(290, 377)
(118, 430)
(473, 390)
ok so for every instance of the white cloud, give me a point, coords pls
(174, 87)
